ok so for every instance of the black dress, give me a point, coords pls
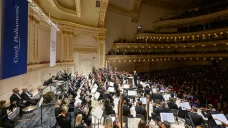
(5, 122)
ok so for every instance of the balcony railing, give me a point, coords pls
(170, 45)
(139, 58)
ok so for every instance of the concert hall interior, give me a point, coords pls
(113, 63)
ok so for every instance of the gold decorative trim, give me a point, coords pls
(170, 45)
(101, 54)
(224, 30)
(136, 5)
(32, 18)
(208, 55)
(104, 5)
(84, 49)
(99, 38)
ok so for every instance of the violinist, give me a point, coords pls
(64, 118)
(5, 121)
(196, 119)
(208, 114)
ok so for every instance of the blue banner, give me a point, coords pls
(14, 38)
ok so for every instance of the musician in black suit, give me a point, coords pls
(4, 120)
(15, 98)
(140, 109)
(161, 109)
(195, 118)
(172, 104)
(208, 114)
(126, 109)
(27, 96)
(135, 78)
(78, 109)
(72, 91)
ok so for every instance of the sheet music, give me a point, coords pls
(97, 112)
(154, 90)
(111, 89)
(132, 93)
(111, 84)
(116, 100)
(185, 105)
(133, 122)
(113, 118)
(93, 90)
(40, 101)
(166, 96)
(143, 100)
(167, 117)
(97, 95)
(126, 86)
(77, 100)
(95, 86)
(219, 117)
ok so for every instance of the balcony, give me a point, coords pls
(161, 57)
(191, 20)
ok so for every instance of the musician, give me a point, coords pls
(172, 104)
(27, 96)
(78, 109)
(4, 121)
(64, 118)
(15, 98)
(208, 114)
(161, 109)
(140, 109)
(50, 81)
(126, 109)
(195, 118)
(79, 123)
(135, 78)
(72, 91)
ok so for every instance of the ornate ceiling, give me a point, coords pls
(82, 12)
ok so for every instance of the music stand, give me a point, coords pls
(167, 117)
(97, 114)
(132, 122)
(218, 118)
(39, 104)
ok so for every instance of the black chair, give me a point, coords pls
(175, 113)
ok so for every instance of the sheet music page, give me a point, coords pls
(95, 86)
(97, 112)
(132, 93)
(93, 90)
(97, 95)
(111, 89)
(167, 117)
(125, 86)
(143, 100)
(219, 117)
(166, 96)
(116, 100)
(185, 105)
(77, 100)
(41, 101)
(133, 122)
(113, 118)
(111, 83)
(154, 90)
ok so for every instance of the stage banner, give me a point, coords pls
(53, 47)
(14, 38)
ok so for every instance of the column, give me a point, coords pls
(62, 47)
(101, 40)
(70, 47)
(36, 44)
